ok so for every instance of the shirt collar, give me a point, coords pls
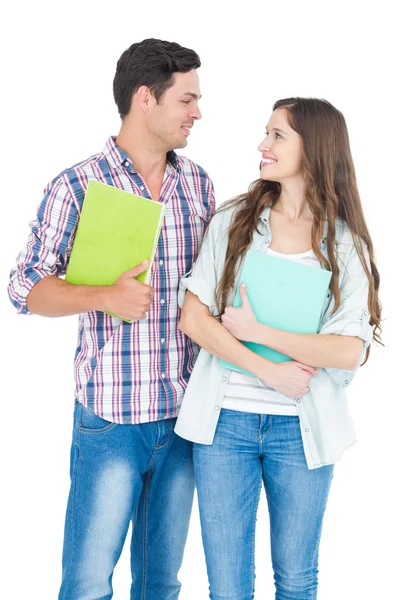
(118, 158)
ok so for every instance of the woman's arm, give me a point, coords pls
(289, 378)
(326, 351)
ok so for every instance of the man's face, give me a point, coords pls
(171, 120)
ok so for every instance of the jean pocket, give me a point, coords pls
(89, 422)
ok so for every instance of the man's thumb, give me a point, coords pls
(141, 268)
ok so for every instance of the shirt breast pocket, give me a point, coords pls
(194, 210)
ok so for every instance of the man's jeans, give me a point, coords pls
(120, 473)
(249, 449)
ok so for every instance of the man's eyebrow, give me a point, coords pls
(195, 96)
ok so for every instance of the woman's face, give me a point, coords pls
(282, 150)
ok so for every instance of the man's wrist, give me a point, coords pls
(100, 297)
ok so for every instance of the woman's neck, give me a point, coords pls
(292, 202)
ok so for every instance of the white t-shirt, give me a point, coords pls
(246, 393)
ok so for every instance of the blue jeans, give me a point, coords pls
(122, 473)
(249, 449)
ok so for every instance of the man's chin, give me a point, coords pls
(182, 143)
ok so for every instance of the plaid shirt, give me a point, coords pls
(125, 372)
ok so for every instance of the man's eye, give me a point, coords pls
(186, 101)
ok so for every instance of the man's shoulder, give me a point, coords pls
(81, 171)
(74, 179)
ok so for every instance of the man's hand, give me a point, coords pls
(127, 297)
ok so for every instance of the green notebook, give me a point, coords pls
(117, 230)
(284, 294)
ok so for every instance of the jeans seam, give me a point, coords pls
(254, 538)
(73, 489)
(158, 446)
(318, 539)
(145, 509)
(96, 431)
(267, 432)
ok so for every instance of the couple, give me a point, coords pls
(286, 426)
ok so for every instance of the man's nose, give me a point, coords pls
(195, 113)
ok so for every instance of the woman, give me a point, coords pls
(289, 424)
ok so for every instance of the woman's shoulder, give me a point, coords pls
(344, 234)
(222, 218)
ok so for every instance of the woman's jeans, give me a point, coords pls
(249, 449)
(120, 474)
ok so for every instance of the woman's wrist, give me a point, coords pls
(266, 369)
(259, 333)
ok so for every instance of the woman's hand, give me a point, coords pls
(291, 378)
(241, 322)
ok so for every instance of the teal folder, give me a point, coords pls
(117, 230)
(285, 295)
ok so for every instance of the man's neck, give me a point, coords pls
(148, 158)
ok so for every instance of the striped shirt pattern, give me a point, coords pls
(250, 394)
(125, 372)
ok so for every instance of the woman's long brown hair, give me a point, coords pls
(331, 191)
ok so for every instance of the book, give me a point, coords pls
(284, 294)
(117, 230)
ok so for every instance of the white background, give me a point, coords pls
(58, 62)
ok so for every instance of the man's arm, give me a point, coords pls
(35, 285)
(127, 297)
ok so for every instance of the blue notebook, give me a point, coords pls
(284, 294)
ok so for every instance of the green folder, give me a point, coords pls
(117, 230)
(285, 295)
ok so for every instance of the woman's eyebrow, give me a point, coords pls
(276, 129)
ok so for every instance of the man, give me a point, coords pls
(126, 461)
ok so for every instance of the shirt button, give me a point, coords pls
(298, 399)
(162, 301)
(365, 312)
(142, 187)
(162, 340)
(306, 430)
(161, 262)
(217, 408)
(346, 382)
(224, 379)
(163, 375)
(126, 163)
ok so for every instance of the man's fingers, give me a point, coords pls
(138, 269)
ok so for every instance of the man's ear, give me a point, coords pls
(145, 98)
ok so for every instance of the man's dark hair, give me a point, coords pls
(152, 63)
